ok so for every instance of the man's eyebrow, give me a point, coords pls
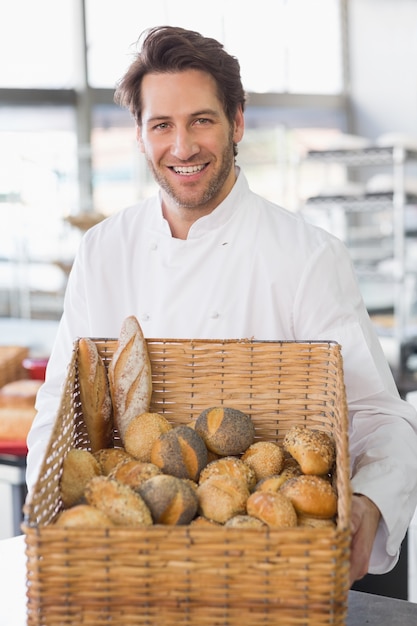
(164, 118)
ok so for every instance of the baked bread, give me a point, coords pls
(95, 395)
(222, 497)
(313, 496)
(171, 500)
(109, 458)
(266, 458)
(83, 516)
(275, 482)
(142, 432)
(245, 521)
(119, 502)
(134, 473)
(314, 450)
(230, 466)
(274, 509)
(130, 375)
(225, 431)
(19, 394)
(180, 452)
(78, 468)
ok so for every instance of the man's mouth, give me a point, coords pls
(189, 169)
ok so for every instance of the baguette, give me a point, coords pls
(95, 395)
(130, 375)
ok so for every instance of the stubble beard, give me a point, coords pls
(199, 199)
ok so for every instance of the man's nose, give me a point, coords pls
(184, 145)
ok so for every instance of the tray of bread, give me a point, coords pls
(200, 482)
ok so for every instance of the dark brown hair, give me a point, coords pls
(174, 49)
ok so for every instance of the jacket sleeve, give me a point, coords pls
(382, 426)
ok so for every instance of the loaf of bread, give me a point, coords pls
(83, 516)
(180, 452)
(171, 500)
(266, 458)
(274, 509)
(119, 502)
(222, 497)
(226, 431)
(245, 521)
(110, 458)
(95, 395)
(230, 466)
(314, 450)
(142, 432)
(78, 468)
(312, 496)
(130, 375)
(134, 473)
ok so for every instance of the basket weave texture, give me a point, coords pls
(200, 576)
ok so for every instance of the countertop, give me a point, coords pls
(364, 609)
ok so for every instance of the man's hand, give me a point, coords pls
(364, 524)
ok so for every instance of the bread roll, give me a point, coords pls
(274, 509)
(225, 431)
(130, 375)
(109, 458)
(180, 452)
(119, 502)
(313, 496)
(83, 516)
(171, 500)
(245, 521)
(142, 432)
(222, 497)
(95, 395)
(134, 473)
(274, 483)
(314, 450)
(266, 458)
(230, 466)
(78, 468)
(19, 394)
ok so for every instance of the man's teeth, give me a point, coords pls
(190, 169)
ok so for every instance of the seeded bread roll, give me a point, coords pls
(95, 395)
(130, 375)
(311, 495)
(314, 450)
(222, 497)
(225, 431)
(274, 483)
(171, 500)
(134, 473)
(83, 516)
(180, 452)
(274, 509)
(142, 432)
(109, 458)
(119, 502)
(245, 521)
(266, 458)
(78, 468)
(230, 466)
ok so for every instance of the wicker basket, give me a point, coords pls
(167, 576)
(11, 363)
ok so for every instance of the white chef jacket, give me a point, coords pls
(248, 269)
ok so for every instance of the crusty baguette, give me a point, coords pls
(95, 395)
(130, 375)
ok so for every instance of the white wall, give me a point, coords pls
(383, 66)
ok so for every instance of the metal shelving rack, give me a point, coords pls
(395, 202)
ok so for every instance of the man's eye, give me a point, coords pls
(202, 121)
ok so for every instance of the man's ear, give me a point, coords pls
(139, 138)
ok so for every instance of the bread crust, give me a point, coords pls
(95, 395)
(130, 375)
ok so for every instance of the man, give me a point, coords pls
(208, 258)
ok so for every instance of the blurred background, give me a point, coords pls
(331, 132)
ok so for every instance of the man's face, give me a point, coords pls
(187, 139)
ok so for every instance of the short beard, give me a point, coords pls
(214, 187)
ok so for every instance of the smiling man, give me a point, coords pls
(208, 258)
